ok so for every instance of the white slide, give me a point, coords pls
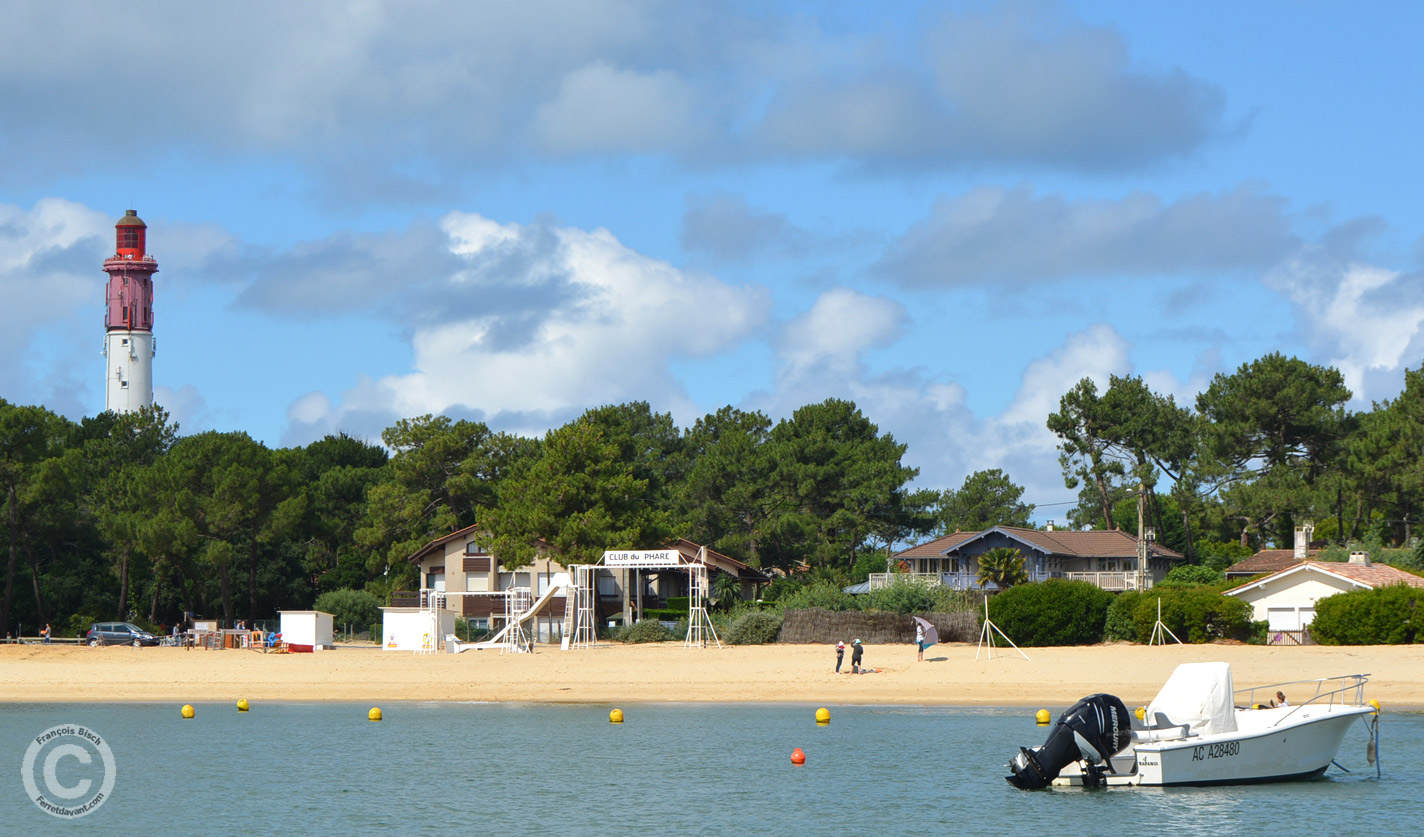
(559, 586)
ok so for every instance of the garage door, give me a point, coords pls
(1283, 619)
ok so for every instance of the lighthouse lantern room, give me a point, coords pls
(128, 318)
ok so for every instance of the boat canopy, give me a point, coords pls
(1198, 694)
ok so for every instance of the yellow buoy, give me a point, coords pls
(1043, 716)
(823, 715)
(242, 705)
(615, 717)
(188, 710)
(1141, 713)
(1374, 703)
(374, 714)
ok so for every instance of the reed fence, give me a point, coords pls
(818, 625)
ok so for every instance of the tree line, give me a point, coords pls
(121, 517)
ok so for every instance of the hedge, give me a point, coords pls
(1193, 615)
(755, 627)
(1053, 612)
(1119, 626)
(1383, 616)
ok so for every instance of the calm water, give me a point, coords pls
(669, 769)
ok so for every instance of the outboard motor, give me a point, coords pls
(1094, 730)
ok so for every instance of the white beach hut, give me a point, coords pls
(415, 629)
(307, 630)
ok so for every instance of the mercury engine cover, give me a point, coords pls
(1094, 730)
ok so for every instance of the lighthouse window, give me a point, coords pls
(124, 342)
(128, 238)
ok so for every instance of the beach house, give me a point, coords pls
(1107, 558)
(461, 563)
(1286, 599)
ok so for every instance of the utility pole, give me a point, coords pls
(1141, 539)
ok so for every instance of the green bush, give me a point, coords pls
(1119, 627)
(1384, 616)
(1194, 615)
(1054, 612)
(78, 625)
(754, 628)
(349, 607)
(1188, 575)
(648, 630)
(951, 600)
(822, 594)
(902, 596)
(680, 604)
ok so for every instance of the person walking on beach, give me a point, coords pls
(840, 655)
(855, 654)
(45, 633)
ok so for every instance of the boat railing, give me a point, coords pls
(1342, 690)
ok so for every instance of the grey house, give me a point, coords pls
(1108, 559)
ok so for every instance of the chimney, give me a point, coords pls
(1360, 558)
(1302, 540)
(1050, 526)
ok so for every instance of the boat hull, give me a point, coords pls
(1292, 747)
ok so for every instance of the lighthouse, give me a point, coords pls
(128, 318)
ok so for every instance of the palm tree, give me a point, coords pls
(1004, 566)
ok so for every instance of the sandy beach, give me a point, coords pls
(950, 675)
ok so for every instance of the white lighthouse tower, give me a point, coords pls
(128, 318)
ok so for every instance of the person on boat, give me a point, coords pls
(1281, 699)
(920, 640)
(855, 655)
(840, 654)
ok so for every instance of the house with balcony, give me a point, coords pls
(461, 562)
(1106, 558)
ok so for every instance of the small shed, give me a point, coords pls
(307, 630)
(414, 628)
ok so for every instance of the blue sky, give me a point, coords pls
(947, 212)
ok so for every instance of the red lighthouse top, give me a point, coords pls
(129, 235)
(129, 295)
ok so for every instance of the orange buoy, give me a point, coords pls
(798, 757)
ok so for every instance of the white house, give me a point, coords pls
(1286, 599)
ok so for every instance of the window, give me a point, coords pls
(607, 585)
(477, 583)
(473, 548)
(435, 581)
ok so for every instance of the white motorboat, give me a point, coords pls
(1199, 731)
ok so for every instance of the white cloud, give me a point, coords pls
(50, 260)
(610, 338)
(1367, 319)
(362, 88)
(829, 338)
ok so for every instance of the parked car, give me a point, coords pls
(119, 633)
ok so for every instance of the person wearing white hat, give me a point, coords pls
(840, 655)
